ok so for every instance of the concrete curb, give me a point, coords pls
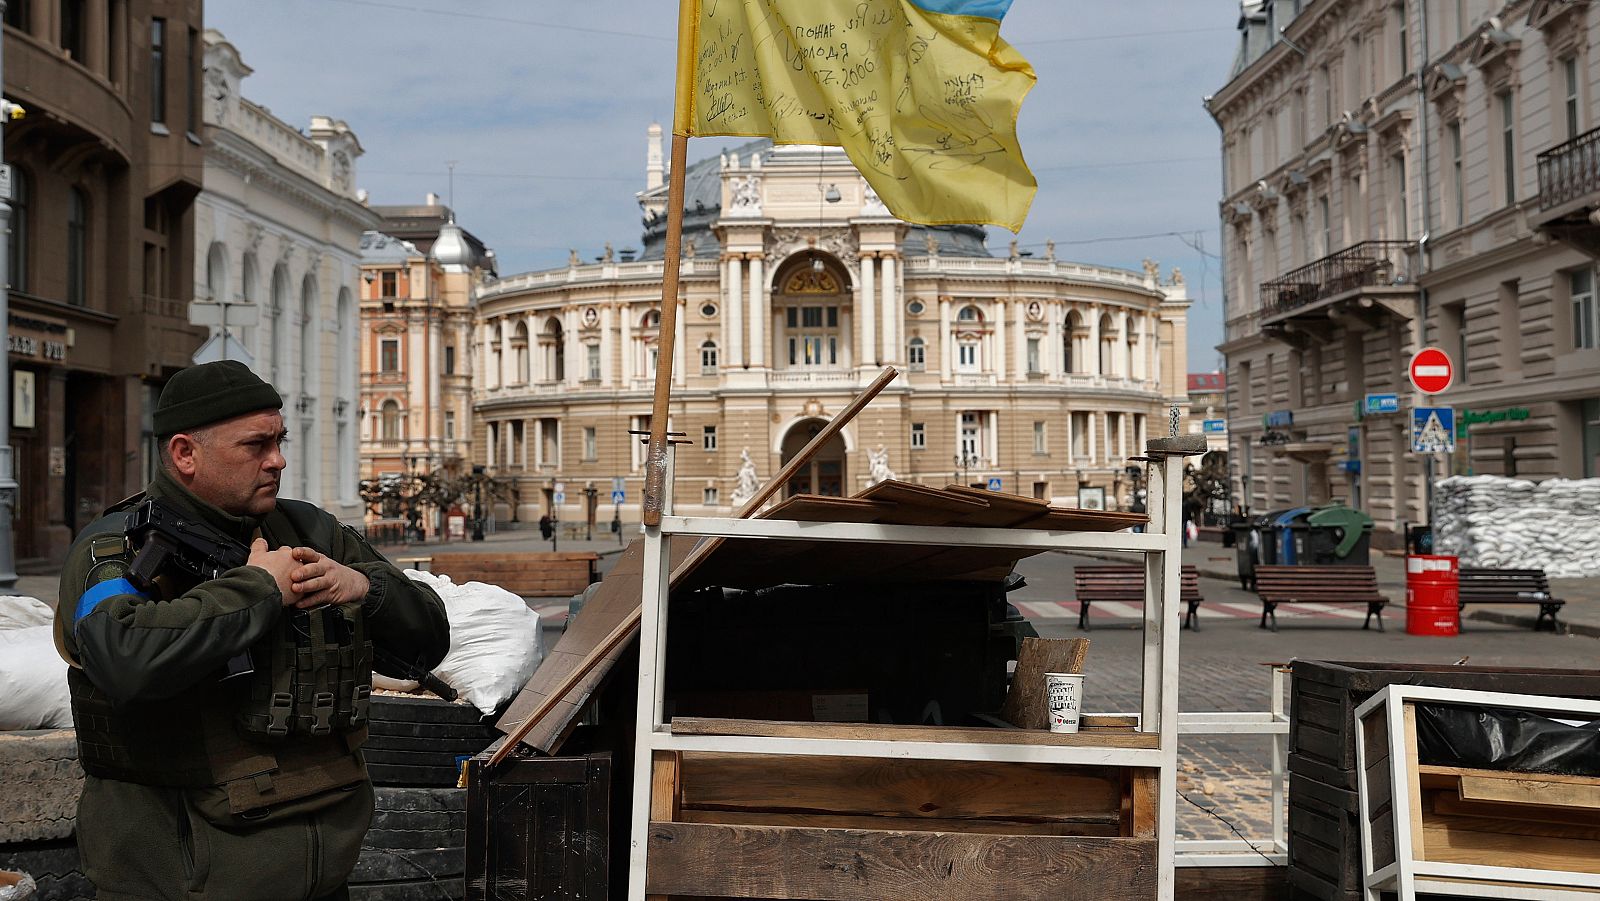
(1589, 630)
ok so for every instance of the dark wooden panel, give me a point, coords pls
(936, 789)
(803, 864)
(535, 834)
(1231, 884)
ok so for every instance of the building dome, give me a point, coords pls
(451, 250)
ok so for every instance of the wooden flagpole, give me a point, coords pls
(655, 471)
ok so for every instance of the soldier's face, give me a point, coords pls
(239, 463)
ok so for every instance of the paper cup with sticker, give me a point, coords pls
(1064, 692)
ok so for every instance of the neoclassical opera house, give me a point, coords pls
(1025, 372)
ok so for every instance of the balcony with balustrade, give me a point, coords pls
(1357, 287)
(1569, 192)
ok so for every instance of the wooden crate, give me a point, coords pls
(1324, 849)
(735, 825)
(539, 829)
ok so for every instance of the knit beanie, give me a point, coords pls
(212, 392)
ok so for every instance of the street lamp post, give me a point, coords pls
(8, 482)
(964, 462)
(590, 494)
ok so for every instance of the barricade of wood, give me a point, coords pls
(531, 574)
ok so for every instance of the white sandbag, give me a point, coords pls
(33, 681)
(495, 640)
(18, 612)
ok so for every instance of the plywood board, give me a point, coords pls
(796, 863)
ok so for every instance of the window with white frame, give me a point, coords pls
(449, 425)
(592, 359)
(919, 436)
(967, 355)
(812, 335)
(917, 354)
(1584, 327)
(389, 421)
(708, 357)
(1080, 435)
(1039, 446)
(976, 436)
(636, 443)
(550, 435)
(1569, 71)
(591, 444)
(388, 283)
(1508, 143)
(708, 438)
(1033, 354)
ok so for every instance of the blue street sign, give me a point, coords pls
(1382, 403)
(560, 497)
(1433, 430)
(1278, 419)
(994, 484)
(1215, 426)
(618, 497)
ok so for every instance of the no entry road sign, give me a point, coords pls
(1431, 370)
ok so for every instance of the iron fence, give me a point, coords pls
(1362, 265)
(1570, 170)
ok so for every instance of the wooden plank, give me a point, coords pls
(1230, 884)
(900, 824)
(1449, 803)
(884, 732)
(794, 863)
(1408, 748)
(1026, 705)
(665, 793)
(1531, 788)
(1472, 840)
(946, 790)
(1145, 799)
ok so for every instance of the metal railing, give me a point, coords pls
(1362, 265)
(1570, 170)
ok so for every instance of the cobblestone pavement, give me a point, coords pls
(1221, 669)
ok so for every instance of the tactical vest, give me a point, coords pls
(285, 731)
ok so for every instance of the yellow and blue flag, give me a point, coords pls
(923, 95)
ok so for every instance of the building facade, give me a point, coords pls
(1390, 182)
(105, 170)
(417, 346)
(1037, 375)
(278, 246)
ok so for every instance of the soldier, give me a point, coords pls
(220, 723)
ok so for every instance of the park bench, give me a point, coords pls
(1125, 584)
(1318, 585)
(1510, 586)
(530, 574)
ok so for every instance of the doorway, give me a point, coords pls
(825, 473)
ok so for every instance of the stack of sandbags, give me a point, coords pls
(1501, 523)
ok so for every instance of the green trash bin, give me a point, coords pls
(1335, 534)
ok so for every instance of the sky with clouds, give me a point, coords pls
(543, 108)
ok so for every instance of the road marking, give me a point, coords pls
(1045, 609)
(1118, 609)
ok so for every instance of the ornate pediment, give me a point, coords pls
(1494, 50)
(1263, 198)
(1349, 130)
(1445, 82)
(1555, 17)
(1236, 212)
(1293, 183)
(806, 280)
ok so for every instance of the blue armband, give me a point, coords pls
(99, 591)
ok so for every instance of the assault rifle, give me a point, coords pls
(166, 541)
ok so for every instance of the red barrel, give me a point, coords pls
(1433, 592)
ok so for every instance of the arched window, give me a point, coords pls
(217, 273)
(519, 351)
(1108, 335)
(308, 336)
(21, 207)
(708, 357)
(277, 333)
(496, 363)
(389, 419)
(969, 314)
(917, 354)
(555, 349)
(247, 287)
(77, 247)
(652, 319)
(1071, 360)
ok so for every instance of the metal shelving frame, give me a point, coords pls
(1160, 544)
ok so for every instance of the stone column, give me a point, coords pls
(1019, 314)
(759, 317)
(865, 307)
(997, 343)
(569, 332)
(538, 443)
(507, 361)
(944, 339)
(891, 310)
(95, 36)
(625, 314)
(607, 375)
(734, 314)
(1093, 363)
(680, 342)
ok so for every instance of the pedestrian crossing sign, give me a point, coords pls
(1433, 430)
